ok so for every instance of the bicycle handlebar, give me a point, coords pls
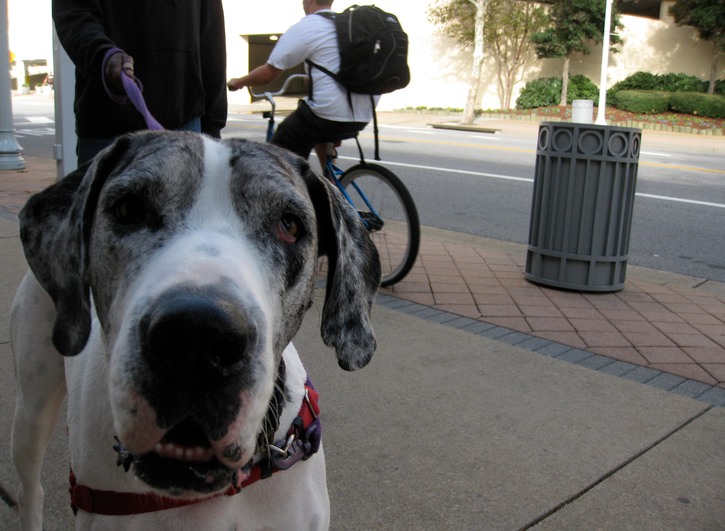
(269, 96)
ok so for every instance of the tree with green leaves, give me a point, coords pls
(506, 30)
(708, 19)
(574, 25)
(455, 18)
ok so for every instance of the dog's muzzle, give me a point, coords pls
(198, 356)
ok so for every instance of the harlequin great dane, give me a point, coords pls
(172, 274)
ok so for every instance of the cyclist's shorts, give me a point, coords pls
(302, 129)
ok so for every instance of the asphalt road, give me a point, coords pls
(482, 184)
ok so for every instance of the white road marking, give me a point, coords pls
(530, 180)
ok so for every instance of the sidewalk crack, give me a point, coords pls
(613, 471)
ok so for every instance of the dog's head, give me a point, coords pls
(200, 257)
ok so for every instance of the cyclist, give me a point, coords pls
(326, 114)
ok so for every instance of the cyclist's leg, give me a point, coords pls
(325, 150)
(294, 135)
(302, 130)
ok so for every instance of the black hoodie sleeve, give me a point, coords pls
(79, 25)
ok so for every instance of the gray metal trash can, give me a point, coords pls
(581, 213)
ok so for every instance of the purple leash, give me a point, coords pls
(134, 90)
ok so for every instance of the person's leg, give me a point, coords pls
(322, 149)
(293, 134)
(303, 130)
(87, 148)
(194, 125)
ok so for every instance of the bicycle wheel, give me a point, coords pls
(385, 204)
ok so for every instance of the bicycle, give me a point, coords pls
(386, 207)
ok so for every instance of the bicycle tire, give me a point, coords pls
(399, 239)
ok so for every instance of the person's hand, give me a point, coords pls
(235, 84)
(117, 63)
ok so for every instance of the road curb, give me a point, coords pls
(461, 127)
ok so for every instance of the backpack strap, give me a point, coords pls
(322, 69)
(349, 102)
(329, 15)
(375, 128)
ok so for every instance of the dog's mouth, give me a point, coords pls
(183, 461)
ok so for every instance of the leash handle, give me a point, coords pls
(134, 93)
(136, 97)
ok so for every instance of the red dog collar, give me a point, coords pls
(303, 440)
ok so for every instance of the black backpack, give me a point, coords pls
(373, 54)
(373, 50)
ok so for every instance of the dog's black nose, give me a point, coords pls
(195, 337)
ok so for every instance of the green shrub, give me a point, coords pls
(699, 104)
(546, 91)
(680, 83)
(542, 92)
(637, 81)
(664, 82)
(642, 101)
(581, 88)
(720, 87)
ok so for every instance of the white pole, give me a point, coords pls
(64, 89)
(605, 65)
(10, 158)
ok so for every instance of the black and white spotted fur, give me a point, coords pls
(172, 274)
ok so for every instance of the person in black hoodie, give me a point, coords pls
(176, 47)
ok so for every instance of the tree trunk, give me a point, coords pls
(713, 68)
(500, 84)
(477, 66)
(469, 111)
(507, 89)
(565, 82)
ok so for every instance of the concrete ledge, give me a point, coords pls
(460, 127)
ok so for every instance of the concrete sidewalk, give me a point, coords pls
(467, 419)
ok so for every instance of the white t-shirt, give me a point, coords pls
(314, 38)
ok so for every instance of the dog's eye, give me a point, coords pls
(289, 228)
(130, 210)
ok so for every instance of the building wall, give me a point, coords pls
(29, 35)
(29, 29)
(439, 66)
(649, 45)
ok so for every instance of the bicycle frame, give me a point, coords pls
(335, 173)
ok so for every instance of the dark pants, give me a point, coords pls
(303, 129)
(87, 148)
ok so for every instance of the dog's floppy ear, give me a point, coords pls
(55, 226)
(353, 275)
